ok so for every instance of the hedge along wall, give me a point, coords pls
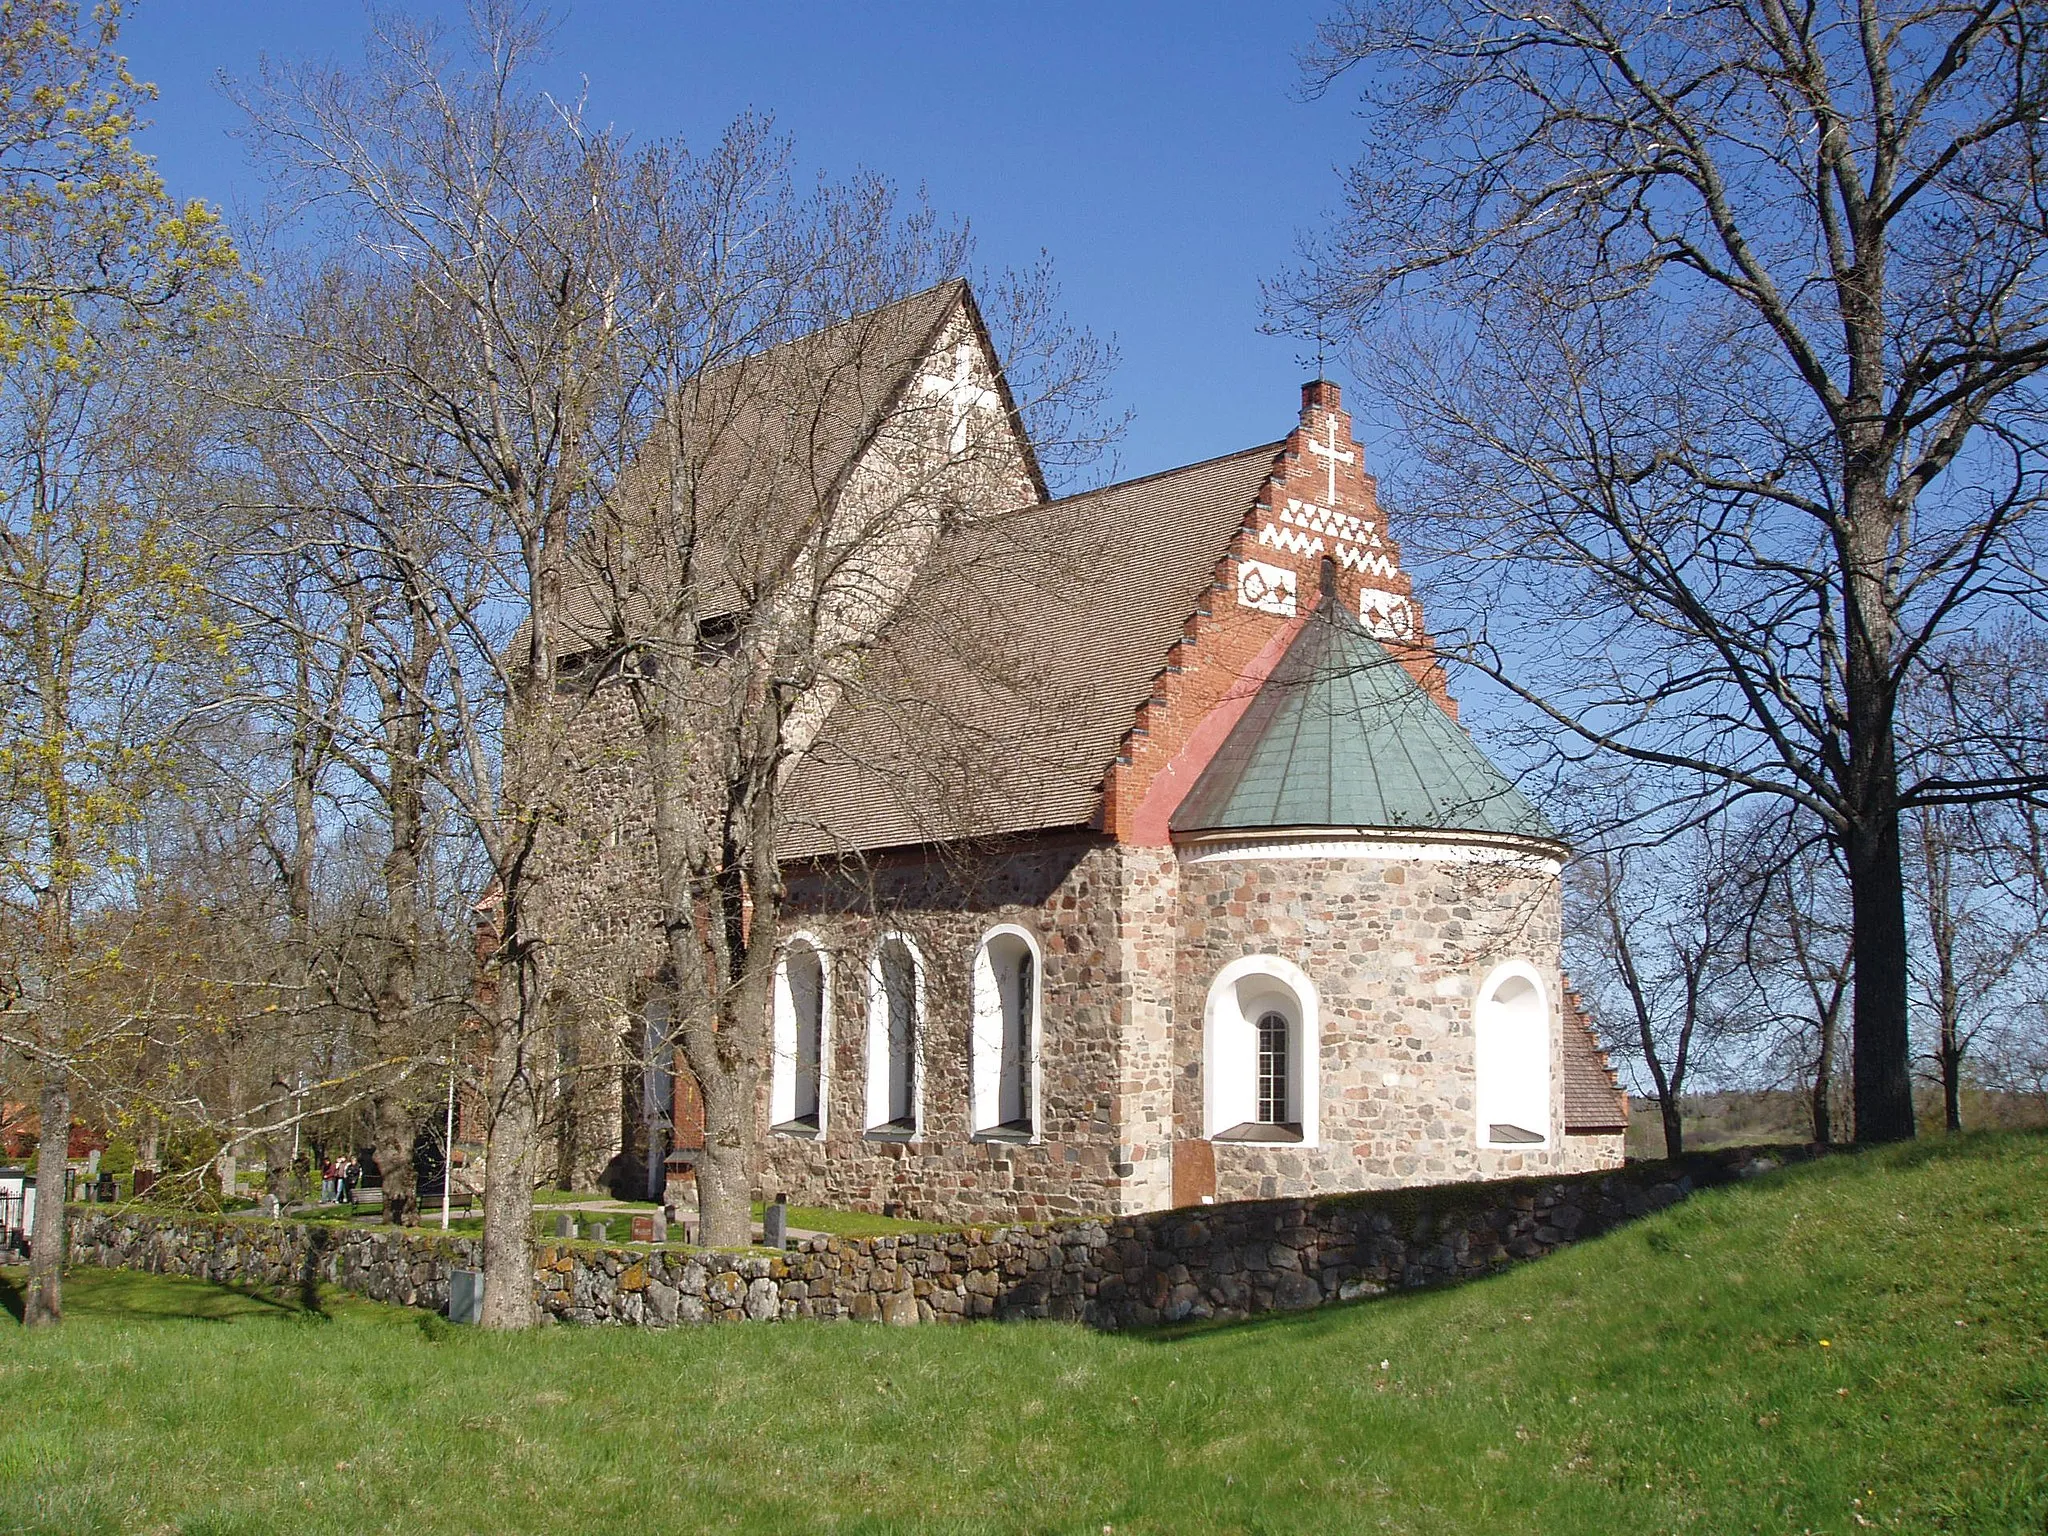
(1221, 1261)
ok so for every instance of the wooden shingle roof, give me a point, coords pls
(1593, 1100)
(999, 697)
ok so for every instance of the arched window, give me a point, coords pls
(1512, 1059)
(1004, 1083)
(1259, 1053)
(895, 1010)
(796, 1085)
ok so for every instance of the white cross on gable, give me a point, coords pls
(961, 393)
(1331, 458)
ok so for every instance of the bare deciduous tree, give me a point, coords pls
(1658, 933)
(479, 211)
(1724, 328)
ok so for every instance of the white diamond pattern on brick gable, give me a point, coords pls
(1266, 588)
(1386, 615)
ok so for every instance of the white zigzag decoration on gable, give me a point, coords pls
(1340, 525)
(1371, 561)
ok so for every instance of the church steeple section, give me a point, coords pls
(1320, 503)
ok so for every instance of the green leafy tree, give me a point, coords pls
(103, 279)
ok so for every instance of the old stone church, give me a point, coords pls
(1228, 904)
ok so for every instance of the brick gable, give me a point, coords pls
(1317, 503)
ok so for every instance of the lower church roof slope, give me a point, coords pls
(1001, 693)
(1340, 735)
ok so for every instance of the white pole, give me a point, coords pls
(448, 1145)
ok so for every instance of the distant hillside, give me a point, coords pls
(1780, 1115)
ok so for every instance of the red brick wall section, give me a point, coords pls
(1318, 503)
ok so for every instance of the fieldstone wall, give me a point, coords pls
(1222, 1261)
(1397, 949)
(1069, 890)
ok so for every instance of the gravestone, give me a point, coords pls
(600, 1232)
(565, 1225)
(658, 1227)
(643, 1229)
(775, 1223)
(465, 1296)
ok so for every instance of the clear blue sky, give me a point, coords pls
(1160, 153)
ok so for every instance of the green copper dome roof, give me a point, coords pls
(1341, 736)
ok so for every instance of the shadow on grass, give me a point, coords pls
(318, 1242)
(135, 1296)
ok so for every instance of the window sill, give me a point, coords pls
(896, 1130)
(1017, 1134)
(1512, 1136)
(1255, 1134)
(802, 1130)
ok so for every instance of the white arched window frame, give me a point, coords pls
(895, 1029)
(1245, 992)
(1003, 1080)
(1511, 1058)
(801, 1021)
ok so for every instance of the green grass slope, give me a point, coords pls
(1860, 1344)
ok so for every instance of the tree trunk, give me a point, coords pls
(392, 1133)
(1824, 1081)
(277, 1166)
(509, 1147)
(1880, 1053)
(45, 1307)
(725, 1186)
(1951, 1075)
(1880, 1065)
(1674, 1124)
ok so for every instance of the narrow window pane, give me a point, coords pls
(1272, 1069)
(899, 982)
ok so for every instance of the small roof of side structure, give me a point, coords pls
(1593, 1101)
(1341, 735)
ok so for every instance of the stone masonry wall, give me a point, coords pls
(1224, 1261)
(1068, 892)
(1397, 950)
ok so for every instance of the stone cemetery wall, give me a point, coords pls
(1220, 1261)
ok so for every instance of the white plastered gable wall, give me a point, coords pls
(949, 447)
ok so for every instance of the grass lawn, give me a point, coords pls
(619, 1224)
(1860, 1344)
(814, 1218)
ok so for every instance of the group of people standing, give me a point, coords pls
(338, 1179)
